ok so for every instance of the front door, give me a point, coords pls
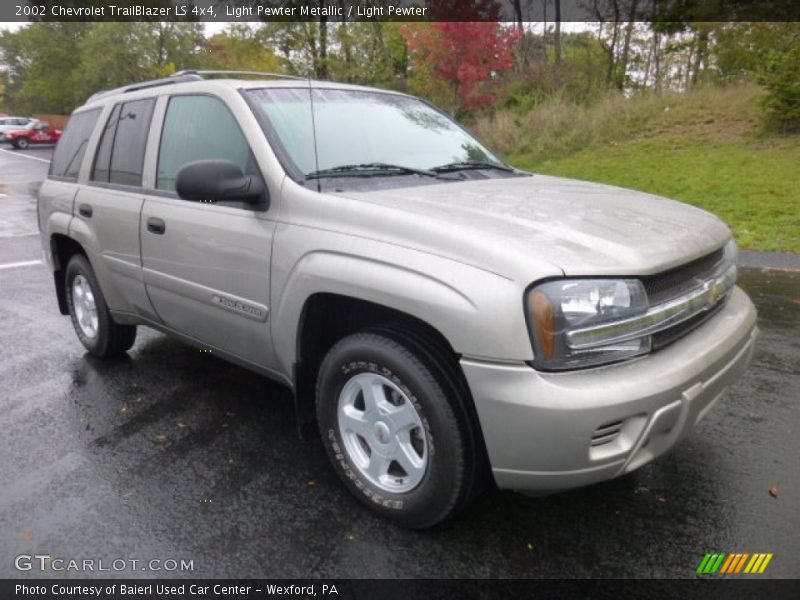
(207, 266)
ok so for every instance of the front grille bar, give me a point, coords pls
(658, 318)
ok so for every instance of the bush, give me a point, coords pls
(782, 82)
(558, 126)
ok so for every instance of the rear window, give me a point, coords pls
(120, 156)
(69, 152)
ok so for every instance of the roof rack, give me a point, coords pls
(176, 78)
(205, 72)
(187, 75)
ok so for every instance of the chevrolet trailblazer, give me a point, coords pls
(447, 320)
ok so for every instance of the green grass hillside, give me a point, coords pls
(705, 148)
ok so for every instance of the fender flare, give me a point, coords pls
(460, 314)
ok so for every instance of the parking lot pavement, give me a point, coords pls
(169, 453)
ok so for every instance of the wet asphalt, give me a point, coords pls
(169, 453)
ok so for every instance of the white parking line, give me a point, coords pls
(24, 156)
(3, 195)
(25, 263)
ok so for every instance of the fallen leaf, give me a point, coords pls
(312, 483)
(27, 536)
(124, 410)
(160, 438)
(181, 425)
(530, 546)
(773, 490)
(350, 536)
(661, 499)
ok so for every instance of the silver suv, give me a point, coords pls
(447, 320)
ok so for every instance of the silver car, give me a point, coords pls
(449, 322)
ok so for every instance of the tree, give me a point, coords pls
(240, 47)
(557, 38)
(42, 66)
(781, 78)
(53, 67)
(465, 56)
(303, 46)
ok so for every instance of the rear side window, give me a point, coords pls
(199, 128)
(120, 155)
(69, 152)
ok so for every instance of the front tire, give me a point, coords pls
(395, 436)
(92, 321)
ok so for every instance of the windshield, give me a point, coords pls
(365, 129)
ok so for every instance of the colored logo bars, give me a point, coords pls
(734, 563)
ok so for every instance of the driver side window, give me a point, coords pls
(199, 128)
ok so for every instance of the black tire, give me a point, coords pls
(21, 143)
(111, 339)
(448, 479)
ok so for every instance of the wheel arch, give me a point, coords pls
(327, 318)
(315, 339)
(62, 248)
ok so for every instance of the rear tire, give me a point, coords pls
(21, 143)
(93, 324)
(379, 402)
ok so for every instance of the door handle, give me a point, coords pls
(85, 210)
(156, 225)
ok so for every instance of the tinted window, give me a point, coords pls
(69, 152)
(103, 157)
(199, 128)
(120, 157)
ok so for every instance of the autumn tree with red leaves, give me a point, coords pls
(465, 55)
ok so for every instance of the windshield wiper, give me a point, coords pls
(467, 165)
(366, 169)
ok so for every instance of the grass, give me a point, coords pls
(705, 148)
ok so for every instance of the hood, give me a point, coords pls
(579, 227)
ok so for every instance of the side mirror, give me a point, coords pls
(217, 180)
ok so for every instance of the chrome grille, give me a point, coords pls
(671, 284)
(666, 337)
(676, 282)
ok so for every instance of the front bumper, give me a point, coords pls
(539, 427)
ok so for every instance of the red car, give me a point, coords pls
(35, 132)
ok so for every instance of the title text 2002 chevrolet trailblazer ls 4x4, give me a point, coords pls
(447, 320)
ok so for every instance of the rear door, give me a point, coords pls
(58, 191)
(109, 207)
(207, 266)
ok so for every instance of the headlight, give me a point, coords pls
(558, 307)
(578, 323)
